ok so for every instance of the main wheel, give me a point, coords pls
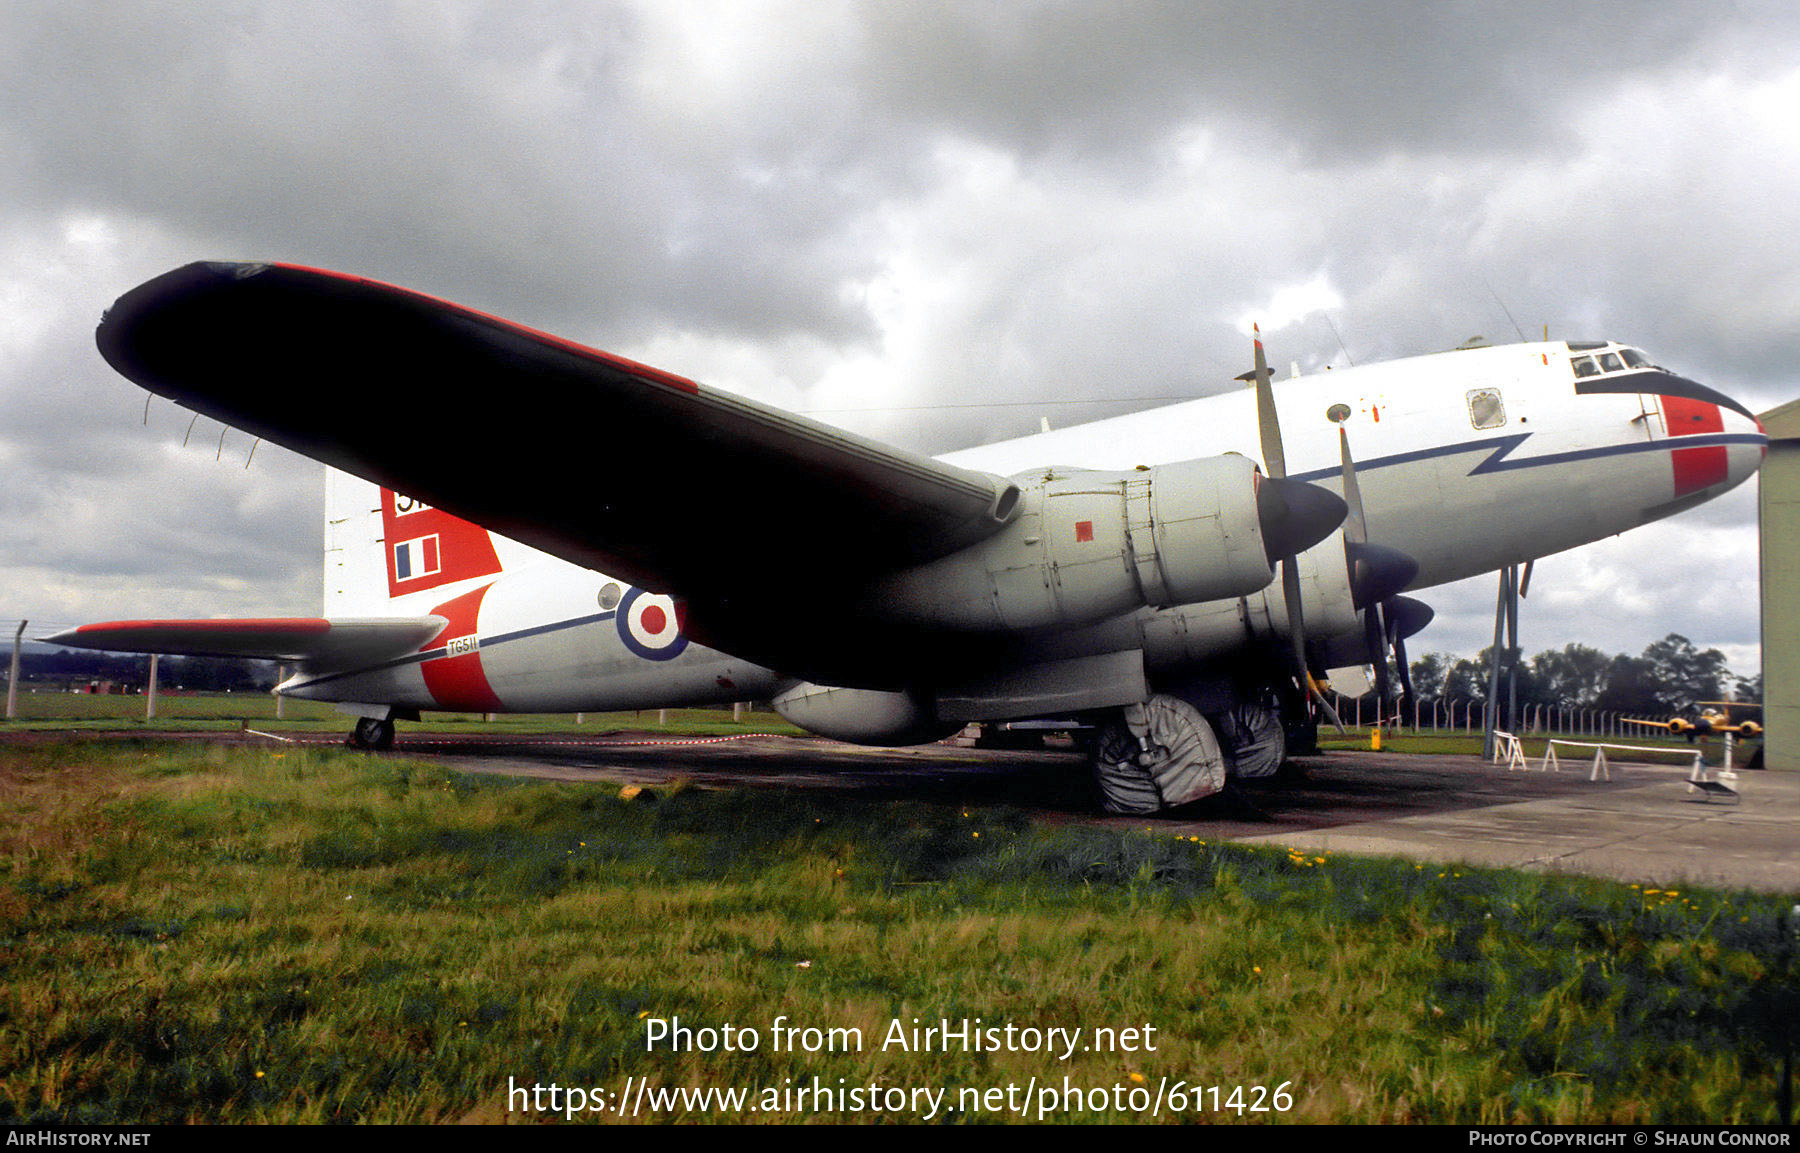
(375, 734)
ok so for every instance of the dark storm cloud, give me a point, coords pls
(912, 208)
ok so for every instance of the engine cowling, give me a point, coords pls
(1088, 545)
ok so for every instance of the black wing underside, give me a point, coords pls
(611, 464)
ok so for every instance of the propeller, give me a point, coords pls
(1268, 428)
(1405, 616)
(1377, 574)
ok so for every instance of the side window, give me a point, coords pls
(1585, 366)
(1486, 409)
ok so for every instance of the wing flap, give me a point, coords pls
(313, 641)
(611, 464)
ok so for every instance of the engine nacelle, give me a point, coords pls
(1086, 546)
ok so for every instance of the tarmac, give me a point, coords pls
(1656, 831)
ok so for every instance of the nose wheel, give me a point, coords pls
(372, 734)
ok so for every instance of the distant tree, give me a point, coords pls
(1573, 677)
(1466, 679)
(1683, 674)
(1632, 686)
(1428, 674)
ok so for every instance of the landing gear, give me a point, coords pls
(1157, 755)
(372, 734)
(1253, 737)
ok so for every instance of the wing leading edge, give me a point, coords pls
(591, 457)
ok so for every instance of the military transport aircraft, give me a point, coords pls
(516, 522)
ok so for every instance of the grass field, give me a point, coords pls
(193, 933)
(201, 712)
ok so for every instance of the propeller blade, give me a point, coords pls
(1268, 427)
(1405, 617)
(1406, 689)
(1356, 530)
(1375, 641)
(1295, 516)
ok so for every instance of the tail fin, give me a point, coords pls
(381, 547)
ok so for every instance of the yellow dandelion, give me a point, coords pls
(1137, 1078)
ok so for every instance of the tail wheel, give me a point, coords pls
(375, 734)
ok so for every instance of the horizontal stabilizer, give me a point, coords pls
(313, 641)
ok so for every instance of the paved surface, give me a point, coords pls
(1655, 830)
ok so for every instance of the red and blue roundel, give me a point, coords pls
(650, 626)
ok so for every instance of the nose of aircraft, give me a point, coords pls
(1715, 442)
(1746, 442)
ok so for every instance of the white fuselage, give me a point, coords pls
(1466, 461)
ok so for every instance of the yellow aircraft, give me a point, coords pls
(1709, 722)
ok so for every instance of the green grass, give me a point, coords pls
(203, 934)
(211, 712)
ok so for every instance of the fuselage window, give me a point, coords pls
(1486, 409)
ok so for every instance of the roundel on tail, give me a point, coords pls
(650, 625)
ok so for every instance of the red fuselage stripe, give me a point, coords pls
(459, 682)
(1695, 468)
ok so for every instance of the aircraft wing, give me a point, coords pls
(346, 642)
(614, 465)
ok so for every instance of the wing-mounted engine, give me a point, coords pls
(1085, 546)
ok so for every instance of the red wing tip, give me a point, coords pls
(298, 626)
(628, 365)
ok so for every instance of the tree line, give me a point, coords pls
(65, 669)
(1671, 677)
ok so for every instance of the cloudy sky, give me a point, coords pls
(885, 213)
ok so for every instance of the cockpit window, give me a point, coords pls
(1591, 358)
(1606, 367)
